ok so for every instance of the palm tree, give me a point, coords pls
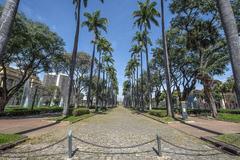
(231, 32)
(77, 4)
(103, 47)
(170, 111)
(6, 21)
(146, 15)
(94, 23)
(139, 39)
(136, 50)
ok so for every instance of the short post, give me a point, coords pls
(159, 146)
(70, 144)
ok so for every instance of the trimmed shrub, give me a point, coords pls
(158, 113)
(208, 111)
(80, 111)
(16, 111)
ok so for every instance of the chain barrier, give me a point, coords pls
(158, 139)
(113, 147)
(36, 150)
(108, 153)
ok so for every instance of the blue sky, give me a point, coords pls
(59, 16)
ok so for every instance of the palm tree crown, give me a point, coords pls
(146, 14)
(95, 23)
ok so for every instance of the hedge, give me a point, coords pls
(80, 111)
(158, 113)
(16, 111)
(206, 111)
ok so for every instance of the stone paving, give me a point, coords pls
(118, 128)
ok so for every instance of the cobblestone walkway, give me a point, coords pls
(118, 128)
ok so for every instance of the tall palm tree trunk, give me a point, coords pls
(99, 72)
(91, 76)
(137, 92)
(142, 103)
(6, 22)
(148, 71)
(73, 62)
(233, 40)
(103, 84)
(170, 111)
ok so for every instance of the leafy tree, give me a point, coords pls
(30, 48)
(205, 46)
(82, 69)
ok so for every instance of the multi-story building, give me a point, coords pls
(25, 94)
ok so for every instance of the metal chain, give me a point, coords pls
(189, 149)
(36, 150)
(94, 152)
(109, 147)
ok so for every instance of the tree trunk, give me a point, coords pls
(137, 94)
(148, 73)
(34, 97)
(210, 98)
(73, 62)
(170, 111)
(142, 107)
(91, 76)
(6, 22)
(231, 32)
(98, 79)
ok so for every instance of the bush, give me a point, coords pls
(208, 111)
(158, 113)
(16, 111)
(80, 111)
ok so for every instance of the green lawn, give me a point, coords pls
(7, 138)
(233, 139)
(229, 117)
(72, 119)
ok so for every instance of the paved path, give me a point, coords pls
(200, 127)
(119, 128)
(29, 126)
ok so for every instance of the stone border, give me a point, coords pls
(13, 144)
(222, 145)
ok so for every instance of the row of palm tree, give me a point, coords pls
(144, 17)
(78, 7)
(148, 14)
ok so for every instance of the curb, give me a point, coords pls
(223, 146)
(82, 119)
(13, 144)
(153, 118)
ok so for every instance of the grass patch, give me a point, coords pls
(167, 119)
(233, 139)
(229, 117)
(72, 119)
(7, 138)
